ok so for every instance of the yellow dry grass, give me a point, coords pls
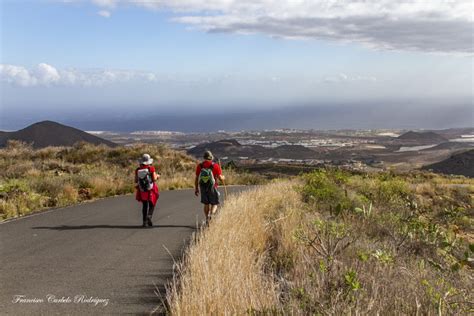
(223, 271)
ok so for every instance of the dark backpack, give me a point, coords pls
(145, 180)
(206, 177)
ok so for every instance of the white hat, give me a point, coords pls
(146, 160)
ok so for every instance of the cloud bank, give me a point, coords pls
(411, 25)
(47, 75)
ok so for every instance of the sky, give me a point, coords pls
(357, 64)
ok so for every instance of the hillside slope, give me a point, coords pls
(334, 243)
(423, 137)
(460, 164)
(233, 149)
(48, 133)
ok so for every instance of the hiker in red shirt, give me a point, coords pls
(147, 189)
(207, 174)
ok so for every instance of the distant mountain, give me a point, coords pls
(228, 148)
(460, 164)
(48, 133)
(423, 137)
(293, 152)
(455, 132)
(450, 146)
(233, 149)
(221, 145)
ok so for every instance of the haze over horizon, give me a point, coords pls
(169, 65)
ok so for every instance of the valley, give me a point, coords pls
(292, 149)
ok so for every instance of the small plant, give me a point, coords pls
(366, 212)
(452, 212)
(363, 256)
(382, 256)
(351, 280)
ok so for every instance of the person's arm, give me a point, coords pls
(196, 180)
(136, 180)
(220, 175)
(155, 176)
(196, 186)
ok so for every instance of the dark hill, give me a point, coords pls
(293, 152)
(461, 164)
(455, 132)
(233, 149)
(226, 143)
(217, 148)
(450, 146)
(227, 148)
(48, 133)
(424, 137)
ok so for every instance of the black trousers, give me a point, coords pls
(147, 210)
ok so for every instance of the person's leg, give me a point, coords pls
(205, 201)
(206, 210)
(214, 201)
(151, 208)
(144, 211)
(207, 213)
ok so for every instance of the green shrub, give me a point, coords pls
(325, 189)
(392, 190)
(319, 187)
(14, 186)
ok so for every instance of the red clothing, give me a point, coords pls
(216, 170)
(151, 195)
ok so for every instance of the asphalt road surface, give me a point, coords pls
(94, 258)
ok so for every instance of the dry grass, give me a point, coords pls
(338, 244)
(223, 271)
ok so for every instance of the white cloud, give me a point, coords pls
(16, 75)
(432, 26)
(106, 3)
(104, 13)
(46, 75)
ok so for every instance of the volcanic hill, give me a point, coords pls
(48, 133)
(233, 149)
(460, 164)
(422, 137)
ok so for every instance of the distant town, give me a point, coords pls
(351, 149)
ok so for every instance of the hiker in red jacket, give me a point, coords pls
(207, 174)
(147, 189)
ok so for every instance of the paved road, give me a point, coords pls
(70, 261)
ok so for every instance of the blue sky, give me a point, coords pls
(67, 57)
